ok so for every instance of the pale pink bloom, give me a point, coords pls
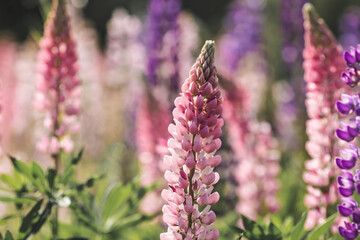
(91, 72)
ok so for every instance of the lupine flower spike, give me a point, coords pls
(251, 141)
(349, 180)
(322, 66)
(195, 139)
(57, 85)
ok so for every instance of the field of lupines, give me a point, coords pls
(161, 134)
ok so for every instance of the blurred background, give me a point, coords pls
(110, 131)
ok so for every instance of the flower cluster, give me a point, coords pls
(349, 181)
(322, 66)
(57, 85)
(195, 139)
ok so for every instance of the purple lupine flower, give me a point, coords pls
(322, 78)
(195, 140)
(242, 33)
(291, 18)
(58, 87)
(349, 27)
(349, 182)
(350, 231)
(352, 59)
(348, 157)
(162, 43)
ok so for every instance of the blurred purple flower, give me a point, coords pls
(349, 27)
(243, 28)
(163, 41)
(292, 19)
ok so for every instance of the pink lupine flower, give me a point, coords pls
(254, 147)
(322, 65)
(195, 139)
(58, 87)
(256, 156)
(151, 129)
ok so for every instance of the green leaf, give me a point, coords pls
(42, 219)
(129, 221)
(252, 227)
(76, 159)
(8, 236)
(70, 170)
(7, 179)
(33, 222)
(117, 196)
(22, 168)
(74, 238)
(89, 183)
(5, 220)
(30, 219)
(51, 174)
(17, 199)
(38, 172)
(298, 230)
(273, 229)
(322, 229)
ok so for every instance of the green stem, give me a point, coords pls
(55, 223)
(191, 191)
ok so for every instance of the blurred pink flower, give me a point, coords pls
(322, 65)
(58, 87)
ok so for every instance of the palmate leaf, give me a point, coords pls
(26, 171)
(257, 231)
